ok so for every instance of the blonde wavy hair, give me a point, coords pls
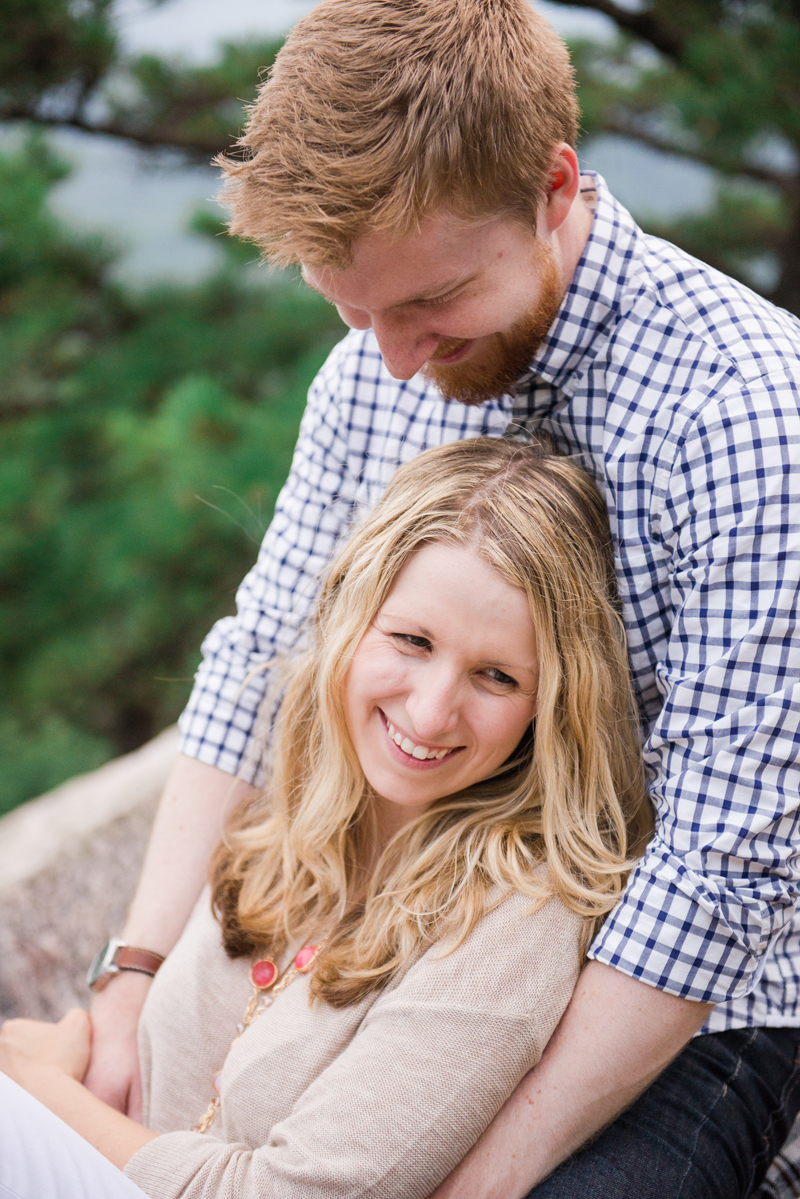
(378, 111)
(572, 796)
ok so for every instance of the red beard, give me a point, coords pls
(507, 355)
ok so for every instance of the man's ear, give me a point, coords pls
(564, 183)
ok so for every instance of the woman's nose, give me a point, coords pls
(433, 706)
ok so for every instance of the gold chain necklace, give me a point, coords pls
(266, 985)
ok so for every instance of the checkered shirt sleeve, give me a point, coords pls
(313, 509)
(680, 389)
(719, 884)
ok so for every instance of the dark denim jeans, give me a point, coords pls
(708, 1128)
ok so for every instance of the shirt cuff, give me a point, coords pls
(670, 930)
(220, 724)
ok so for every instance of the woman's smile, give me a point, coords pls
(409, 753)
(442, 685)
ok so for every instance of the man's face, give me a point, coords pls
(465, 302)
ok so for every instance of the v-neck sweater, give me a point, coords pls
(377, 1100)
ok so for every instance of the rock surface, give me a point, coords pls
(68, 867)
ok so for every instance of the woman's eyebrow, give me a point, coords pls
(510, 667)
(506, 667)
(396, 618)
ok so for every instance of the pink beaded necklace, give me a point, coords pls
(266, 985)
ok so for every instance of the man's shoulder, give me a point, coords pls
(707, 319)
(704, 370)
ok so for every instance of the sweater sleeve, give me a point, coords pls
(430, 1066)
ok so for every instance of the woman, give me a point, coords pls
(455, 791)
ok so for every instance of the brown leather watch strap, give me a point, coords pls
(143, 960)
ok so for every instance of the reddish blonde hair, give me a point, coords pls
(376, 111)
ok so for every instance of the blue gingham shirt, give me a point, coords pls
(679, 388)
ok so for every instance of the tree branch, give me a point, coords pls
(151, 138)
(783, 180)
(665, 38)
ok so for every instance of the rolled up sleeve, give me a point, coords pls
(313, 510)
(719, 881)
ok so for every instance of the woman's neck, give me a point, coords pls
(385, 820)
(391, 817)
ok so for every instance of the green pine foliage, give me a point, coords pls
(144, 439)
(715, 82)
(61, 65)
(196, 108)
(54, 48)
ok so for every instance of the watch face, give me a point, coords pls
(103, 964)
(96, 968)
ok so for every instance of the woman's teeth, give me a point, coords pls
(414, 751)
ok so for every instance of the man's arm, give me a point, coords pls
(195, 804)
(703, 906)
(614, 1039)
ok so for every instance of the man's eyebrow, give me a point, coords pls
(439, 289)
(313, 287)
(430, 293)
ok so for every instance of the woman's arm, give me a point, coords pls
(192, 813)
(399, 1105)
(318, 495)
(402, 1101)
(49, 1060)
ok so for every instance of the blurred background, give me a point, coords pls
(153, 373)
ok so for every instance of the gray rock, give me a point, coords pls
(68, 867)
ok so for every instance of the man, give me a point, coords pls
(417, 160)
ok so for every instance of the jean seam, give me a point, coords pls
(720, 1093)
(790, 1083)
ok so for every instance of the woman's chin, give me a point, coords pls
(401, 809)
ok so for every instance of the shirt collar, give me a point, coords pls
(594, 296)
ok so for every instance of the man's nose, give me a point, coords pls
(356, 318)
(405, 345)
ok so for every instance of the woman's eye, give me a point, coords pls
(499, 677)
(412, 640)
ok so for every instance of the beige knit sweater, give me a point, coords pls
(375, 1101)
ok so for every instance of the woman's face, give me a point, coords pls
(443, 683)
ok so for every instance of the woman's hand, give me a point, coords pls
(113, 1073)
(49, 1061)
(31, 1047)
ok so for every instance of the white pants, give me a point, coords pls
(42, 1158)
